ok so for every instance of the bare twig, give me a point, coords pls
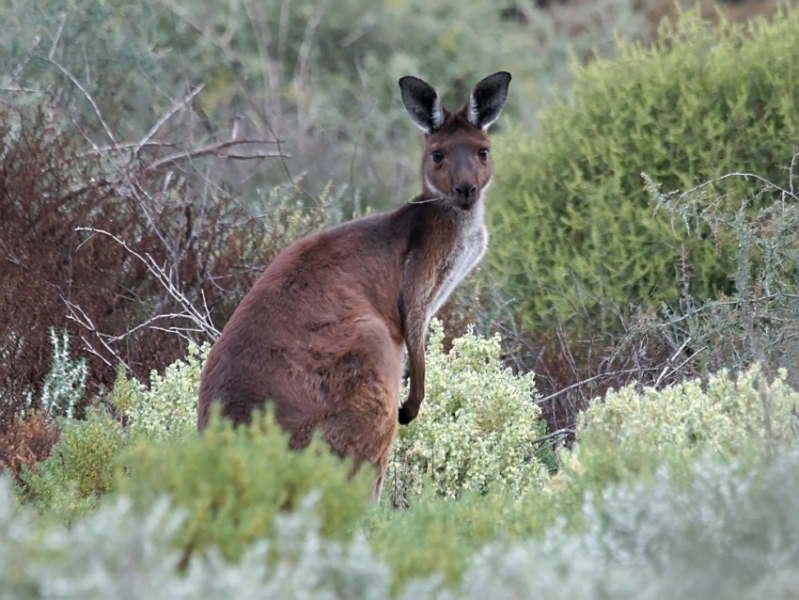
(57, 36)
(217, 150)
(745, 176)
(560, 432)
(588, 380)
(671, 360)
(86, 94)
(166, 116)
(124, 146)
(201, 320)
(77, 314)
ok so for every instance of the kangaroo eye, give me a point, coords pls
(438, 156)
(483, 154)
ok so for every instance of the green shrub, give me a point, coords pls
(574, 233)
(168, 409)
(631, 434)
(438, 537)
(79, 470)
(120, 552)
(232, 482)
(476, 428)
(759, 322)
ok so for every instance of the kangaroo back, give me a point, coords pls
(323, 332)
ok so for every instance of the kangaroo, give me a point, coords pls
(323, 332)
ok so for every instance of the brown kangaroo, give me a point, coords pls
(321, 332)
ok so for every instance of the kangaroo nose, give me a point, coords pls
(466, 190)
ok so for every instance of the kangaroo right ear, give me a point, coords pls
(487, 99)
(422, 102)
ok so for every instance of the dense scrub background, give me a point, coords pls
(630, 429)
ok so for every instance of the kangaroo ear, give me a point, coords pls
(422, 102)
(487, 99)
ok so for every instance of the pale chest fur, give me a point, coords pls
(467, 251)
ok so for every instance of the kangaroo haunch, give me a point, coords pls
(323, 331)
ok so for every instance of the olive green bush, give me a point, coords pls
(79, 470)
(232, 482)
(476, 428)
(576, 238)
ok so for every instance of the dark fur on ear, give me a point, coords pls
(487, 99)
(422, 102)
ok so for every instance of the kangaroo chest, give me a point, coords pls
(467, 251)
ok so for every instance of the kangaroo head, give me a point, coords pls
(456, 165)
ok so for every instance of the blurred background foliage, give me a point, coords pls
(319, 75)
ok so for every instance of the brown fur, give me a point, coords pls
(321, 333)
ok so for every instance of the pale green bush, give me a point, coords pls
(726, 414)
(632, 433)
(730, 533)
(168, 409)
(476, 426)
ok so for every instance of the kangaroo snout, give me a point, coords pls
(466, 193)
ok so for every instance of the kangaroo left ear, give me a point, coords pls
(487, 99)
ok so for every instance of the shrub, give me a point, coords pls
(437, 537)
(476, 428)
(168, 408)
(631, 434)
(232, 482)
(730, 533)
(759, 322)
(27, 442)
(575, 237)
(64, 386)
(120, 552)
(726, 415)
(79, 470)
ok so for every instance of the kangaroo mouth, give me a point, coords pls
(465, 203)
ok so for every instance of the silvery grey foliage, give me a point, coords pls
(732, 532)
(118, 554)
(65, 385)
